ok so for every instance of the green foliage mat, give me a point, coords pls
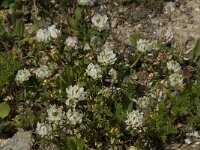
(8, 67)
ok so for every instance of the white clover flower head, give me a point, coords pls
(175, 79)
(169, 7)
(22, 75)
(53, 31)
(43, 72)
(43, 129)
(85, 2)
(107, 57)
(55, 114)
(142, 102)
(144, 45)
(134, 120)
(100, 21)
(94, 71)
(74, 94)
(71, 41)
(74, 117)
(174, 66)
(43, 35)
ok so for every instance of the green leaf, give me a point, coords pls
(28, 118)
(19, 28)
(71, 143)
(67, 78)
(134, 38)
(33, 28)
(4, 110)
(78, 13)
(73, 23)
(2, 28)
(120, 112)
(80, 144)
(196, 51)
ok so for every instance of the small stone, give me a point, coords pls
(114, 23)
(197, 10)
(20, 141)
(188, 141)
(197, 143)
(137, 15)
(2, 142)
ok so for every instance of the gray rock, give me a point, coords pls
(137, 15)
(188, 141)
(20, 141)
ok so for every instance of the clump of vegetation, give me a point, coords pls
(8, 67)
(62, 79)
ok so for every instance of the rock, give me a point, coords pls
(20, 141)
(137, 15)
(114, 22)
(2, 142)
(188, 141)
(186, 23)
(194, 134)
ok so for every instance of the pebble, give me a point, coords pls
(188, 141)
(197, 143)
(114, 22)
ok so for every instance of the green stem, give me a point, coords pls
(135, 62)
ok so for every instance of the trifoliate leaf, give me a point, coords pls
(4, 110)
(78, 13)
(19, 28)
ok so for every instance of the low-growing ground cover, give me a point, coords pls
(67, 78)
